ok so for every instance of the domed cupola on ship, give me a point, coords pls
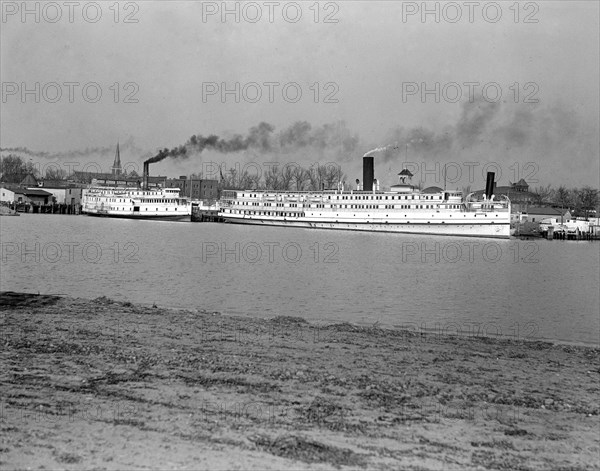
(404, 184)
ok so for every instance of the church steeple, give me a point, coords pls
(116, 168)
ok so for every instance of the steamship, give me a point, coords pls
(402, 209)
(139, 202)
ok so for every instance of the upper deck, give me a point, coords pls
(340, 200)
(338, 197)
(126, 192)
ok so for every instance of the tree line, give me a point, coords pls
(13, 169)
(582, 200)
(285, 178)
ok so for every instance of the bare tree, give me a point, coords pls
(14, 170)
(543, 194)
(55, 173)
(562, 196)
(587, 199)
(254, 181)
(314, 178)
(300, 176)
(273, 178)
(287, 175)
(229, 179)
(248, 181)
(333, 175)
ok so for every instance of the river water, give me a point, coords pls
(521, 289)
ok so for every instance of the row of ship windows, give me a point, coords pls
(154, 200)
(367, 206)
(179, 185)
(110, 200)
(412, 197)
(135, 193)
(302, 214)
(266, 213)
(279, 205)
(370, 197)
(136, 208)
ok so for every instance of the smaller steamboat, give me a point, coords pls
(136, 202)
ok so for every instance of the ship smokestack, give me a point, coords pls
(145, 176)
(489, 185)
(368, 173)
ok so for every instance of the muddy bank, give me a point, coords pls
(105, 385)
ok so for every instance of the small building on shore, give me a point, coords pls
(32, 195)
(7, 193)
(538, 214)
(195, 188)
(63, 192)
(29, 181)
(518, 193)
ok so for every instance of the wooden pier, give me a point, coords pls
(204, 214)
(530, 230)
(45, 208)
(551, 234)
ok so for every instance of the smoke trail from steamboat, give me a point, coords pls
(380, 149)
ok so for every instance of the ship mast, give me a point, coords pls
(444, 177)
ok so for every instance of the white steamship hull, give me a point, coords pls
(474, 229)
(134, 215)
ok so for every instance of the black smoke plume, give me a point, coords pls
(261, 138)
(128, 146)
(163, 154)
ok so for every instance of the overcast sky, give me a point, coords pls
(364, 63)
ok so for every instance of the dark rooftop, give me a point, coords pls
(547, 210)
(432, 189)
(30, 192)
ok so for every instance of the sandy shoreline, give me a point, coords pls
(106, 385)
